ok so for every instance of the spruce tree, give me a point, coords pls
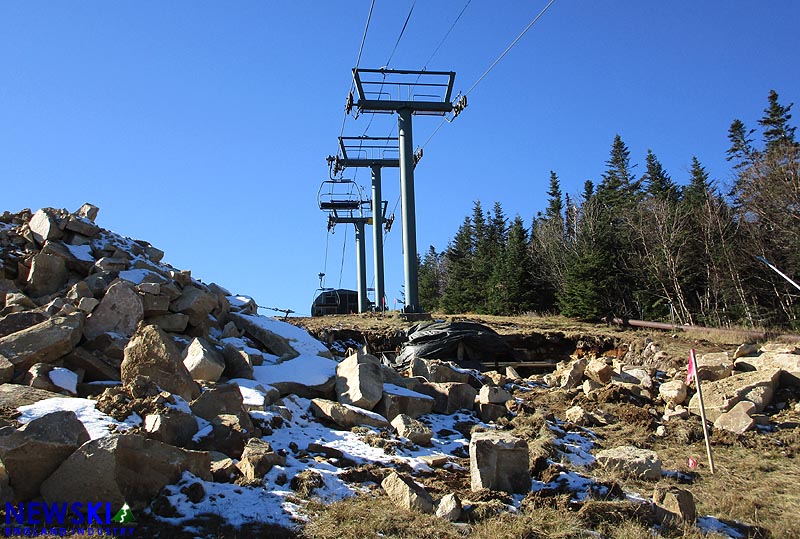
(458, 296)
(658, 183)
(430, 280)
(741, 148)
(619, 187)
(516, 291)
(555, 206)
(777, 131)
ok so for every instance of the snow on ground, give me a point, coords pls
(65, 379)
(298, 338)
(310, 370)
(392, 389)
(81, 252)
(710, 524)
(574, 447)
(137, 276)
(96, 422)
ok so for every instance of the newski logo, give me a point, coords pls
(76, 518)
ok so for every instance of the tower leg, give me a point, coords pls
(408, 210)
(377, 238)
(361, 269)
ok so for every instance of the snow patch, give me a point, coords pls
(96, 422)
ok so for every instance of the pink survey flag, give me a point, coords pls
(692, 362)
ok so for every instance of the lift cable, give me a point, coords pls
(358, 61)
(402, 31)
(341, 267)
(530, 25)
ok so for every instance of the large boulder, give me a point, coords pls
(359, 381)
(196, 303)
(720, 396)
(47, 275)
(673, 392)
(119, 311)
(173, 428)
(738, 419)
(31, 454)
(788, 363)
(13, 322)
(44, 226)
(499, 461)
(13, 395)
(493, 395)
(203, 361)
(416, 431)
(406, 493)
(449, 397)
(258, 458)
(42, 343)
(122, 468)
(398, 400)
(599, 371)
(631, 461)
(438, 371)
(714, 366)
(280, 338)
(152, 353)
(345, 415)
(222, 399)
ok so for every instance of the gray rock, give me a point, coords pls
(493, 395)
(44, 226)
(258, 459)
(714, 366)
(51, 378)
(437, 371)
(722, 395)
(738, 419)
(172, 428)
(346, 416)
(222, 399)
(414, 430)
(14, 396)
(122, 468)
(499, 461)
(572, 374)
(42, 343)
(82, 226)
(14, 322)
(47, 276)
(119, 311)
(397, 400)
(203, 361)
(407, 494)
(225, 434)
(578, 416)
(6, 370)
(30, 455)
(154, 304)
(449, 397)
(674, 504)
(631, 461)
(152, 353)
(449, 507)
(173, 322)
(237, 363)
(197, 304)
(359, 381)
(744, 350)
(673, 392)
(599, 371)
(88, 211)
(490, 413)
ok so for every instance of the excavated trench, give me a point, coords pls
(534, 352)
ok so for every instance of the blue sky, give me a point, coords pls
(203, 127)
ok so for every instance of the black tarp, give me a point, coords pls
(461, 342)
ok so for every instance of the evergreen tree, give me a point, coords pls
(516, 291)
(458, 296)
(430, 280)
(659, 184)
(777, 131)
(619, 187)
(588, 191)
(555, 207)
(741, 145)
(699, 188)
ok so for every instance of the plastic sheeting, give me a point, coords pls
(461, 342)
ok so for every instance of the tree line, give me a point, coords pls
(641, 247)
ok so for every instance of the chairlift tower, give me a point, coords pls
(406, 93)
(342, 200)
(375, 153)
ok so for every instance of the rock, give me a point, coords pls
(678, 412)
(572, 374)
(257, 459)
(714, 366)
(737, 420)
(256, 328)
(112, 264)
(631, 461)
(52, 378)
(13, 395)
(95, 366)
(673, 392)
(578, 416)
(197, 304)
(414, 430)
(237, 363)
(155, 304)
(42, 343)
(47, 276)
(438, 371)
(359, 381)
(122, 468)
(788, 363)
(44, 226)
(491, 412)
(223, 468)
(494, 378)
(202, 361)
(499, 461)
(435, 461)
(306, 482)
(346, 416)
(225, 434)
(637, 376)
(449, 397)
(397, 400)
(674, 503)
(81, 266)
(172, 428)
(15, 322)
(449, 507)
(173, 323)
(493, 395)
(119, 311)
(780, 348)
(30, 455)
(152, 353)
(6, 370)
(590, 385)
(599, 371)
(512, 374)
(744, 350)
(88, 211)
(82, 226)
(222, 399)
(722, 395)
(407, 494)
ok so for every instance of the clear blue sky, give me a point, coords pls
(203, 127)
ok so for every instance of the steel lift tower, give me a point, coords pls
(375, 153)
(405, 93)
